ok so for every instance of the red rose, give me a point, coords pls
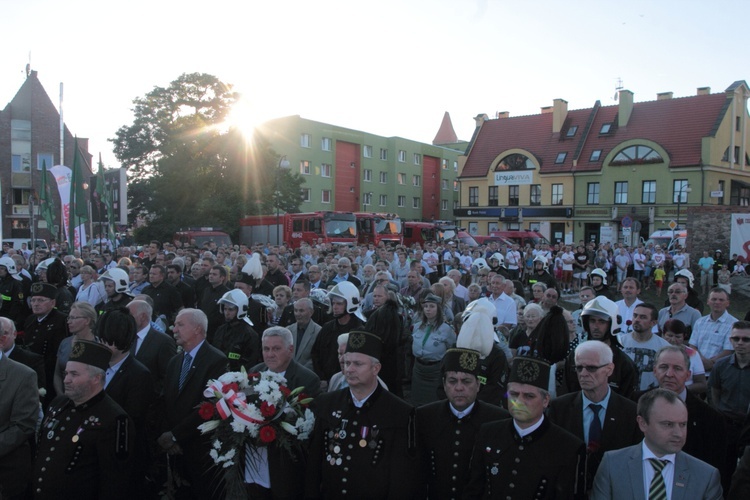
(285, 390)
(227, 387)
(302, 396)
(267, 434)
(253, 375)
(267, 410)
(206, 411)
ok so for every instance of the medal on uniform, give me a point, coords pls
(75, 438)
(494, 470)
(364, 431)
(337, 449)
(50, 434)
(342, 432)
(375, 431)
(338, 461)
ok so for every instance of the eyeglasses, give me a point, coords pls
(73, 318)
(589, 368)
(740, 339)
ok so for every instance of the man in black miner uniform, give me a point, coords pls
(362, 445)
(11, 292)
(45, 329)
(446, 429)
(209, 301)
(85, 441)
(526, 456)
(167, 300)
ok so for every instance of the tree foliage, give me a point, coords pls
(187, 169)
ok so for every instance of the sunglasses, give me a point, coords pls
(740, 339)
(589, 368)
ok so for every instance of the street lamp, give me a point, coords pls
(684, 189)
(283, 164)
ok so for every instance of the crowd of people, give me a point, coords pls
(434, 372)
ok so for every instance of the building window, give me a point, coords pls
(367, 199)
(571, 131)
(492, 196)
(417, 159)
(596, 155)
(621, 193)
(455, 185)
(326, 196)
(44, 159)
(443, 205)
(416, 181)
(737, 123)
(739, 195)
(402, 201)
(445, 164)
(401, 155)
(304, 140)
(455, 166)
(383, 177)
(720, 201)
(306, 195)
(557, 194)
(606, 129)
(680, 191)
(473, 196)
(535, 195)
(560, 158)
(325, 170)
(455, 204)
(415, 202)
(367, 152)
(402, 179)
(513, 195)
(367, 175)
(383, 154)
(592, 197)
(326, 143)
(649, 192)
(444, 184)
(637, 155)
(304, 167)
(383, 200)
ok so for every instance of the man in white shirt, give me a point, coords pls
(711, 333)
(630, 290)
(513, 261)
(506, 306)
(642, 345)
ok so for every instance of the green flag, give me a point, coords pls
(79, 212)
(45, 200)
(105, 197)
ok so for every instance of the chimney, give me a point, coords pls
(559, 113)
(625, 108)
(704, 90)
(480, 119)
(546, 109)
(663, 96)
(503, 114)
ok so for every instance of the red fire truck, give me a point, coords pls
(292, 229)
(439, 231)
(374, 228)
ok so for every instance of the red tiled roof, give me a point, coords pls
(678, 125)
(446, 134)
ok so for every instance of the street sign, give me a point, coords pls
(627, 221)
(672, 224)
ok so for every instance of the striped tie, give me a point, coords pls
(185, 368)
(657, 490)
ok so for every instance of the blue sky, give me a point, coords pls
(388, 67)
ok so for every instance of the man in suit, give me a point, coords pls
(446, 429)
(304, 331)
(706, 439)
(272, 472)
(152, 348)
(344, 274)
(526, 456)
(657, 465)
(300, 290)
(596, 414)
(19, 413)
(21, 355)
(185, 381)
(128, 382)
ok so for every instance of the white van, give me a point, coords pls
(668, 239)
(17, 242)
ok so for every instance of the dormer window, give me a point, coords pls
(560, 158)
(606, 129)
(571, 131)
(637, 155)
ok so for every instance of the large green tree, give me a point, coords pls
(186, 168)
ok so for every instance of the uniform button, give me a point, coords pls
(453, 490)
(343, 492)
(47, 459)
(38, 490)
(62, 428)
(51, 448)
(455, 466)
(40, 479)
(343, 479)
(518, 460)
(514, 472)
(346, 469)
(44, 469)
(457, 443)
(511, 485)
(455, 453)
(453, 478)
(520, 447)
(57, 438)
(458, 431)
(544, 481)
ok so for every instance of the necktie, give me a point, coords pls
(595, 429)
(657, 490)
(186, 362)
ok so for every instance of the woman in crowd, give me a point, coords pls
(81, 321)
(91, 291)
(282, 295)
(522, 339)
(431, 338)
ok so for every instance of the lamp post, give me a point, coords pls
(684, 189)
(283, 164)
